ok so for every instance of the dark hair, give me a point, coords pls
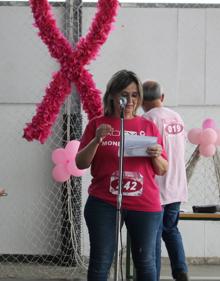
(119, 81)
(151, 90)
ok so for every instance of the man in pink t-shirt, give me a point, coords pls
(173, 185)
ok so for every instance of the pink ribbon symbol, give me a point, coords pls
(72, 62)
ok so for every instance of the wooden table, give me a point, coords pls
(200, 216)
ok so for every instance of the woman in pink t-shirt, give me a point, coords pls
(141, 209)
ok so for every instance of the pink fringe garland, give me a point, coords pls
(72, 61)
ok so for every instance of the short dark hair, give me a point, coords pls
(119, 81)
(151, 91)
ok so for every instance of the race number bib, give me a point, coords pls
(132, 184)
(173, 128)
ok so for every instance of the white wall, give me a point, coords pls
(30, 214)
(178, 47)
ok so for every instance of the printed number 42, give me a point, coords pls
(130, 185)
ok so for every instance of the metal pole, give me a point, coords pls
(71, 190)
(119, 197)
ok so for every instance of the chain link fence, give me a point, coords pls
(41, 226)
(203, 182)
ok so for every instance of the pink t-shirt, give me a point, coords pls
(173, 185)
(140, 192)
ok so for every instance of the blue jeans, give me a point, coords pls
(173, 241)
(142, 227)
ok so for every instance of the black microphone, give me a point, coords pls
(123, 102)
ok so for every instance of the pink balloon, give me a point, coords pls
(60, 173)
(73, 170)
(59, 156)
(208, 136)
(71, 149)
(194, 135)
(208, 123)
(218, 136)
(207, 150)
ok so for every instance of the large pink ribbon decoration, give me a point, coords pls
(72, 62)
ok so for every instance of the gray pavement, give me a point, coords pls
(196, 273)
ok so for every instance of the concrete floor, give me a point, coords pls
(196, 273)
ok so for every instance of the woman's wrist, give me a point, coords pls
(97, 140)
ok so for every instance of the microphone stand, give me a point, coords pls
(119, 196)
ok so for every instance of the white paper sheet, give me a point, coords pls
(135, 145)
